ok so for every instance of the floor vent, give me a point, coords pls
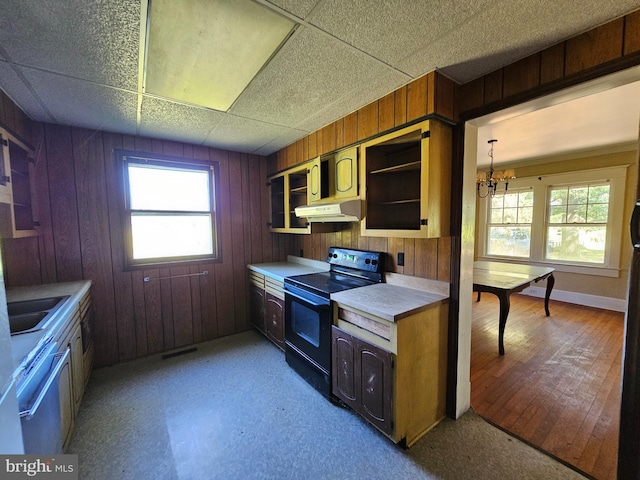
(181, 352)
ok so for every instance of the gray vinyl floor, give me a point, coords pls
(235, 410)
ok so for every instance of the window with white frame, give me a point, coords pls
(571, 220)
(509, 229)
(170, 214)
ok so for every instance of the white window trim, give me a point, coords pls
(617, 179)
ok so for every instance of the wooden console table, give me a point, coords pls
(503, 279)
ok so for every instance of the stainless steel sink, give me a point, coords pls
(32, 315)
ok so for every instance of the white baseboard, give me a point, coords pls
(606, 303)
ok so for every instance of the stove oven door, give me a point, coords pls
(308, 319)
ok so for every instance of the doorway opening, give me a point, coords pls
(528, 142)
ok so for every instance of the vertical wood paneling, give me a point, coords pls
(552, 63)
(64, 207)
(292, 155)
(267, 237)
(396, 245)
(386, 118)
(417, 98)
(181, 310)
(471, 95)
(196, 301)
(300, 155)
(17, 272)
(493, 86)
(368, 121)
(313, 145)
(521, 76)
(224, 270)
(237, 240)
(444, 96)
(329, 140)
(95, 245)
(409, 256)
(351, 128)
(123, 294)
(340, 133)
(632, 33)
(400, 106)
(595, 47)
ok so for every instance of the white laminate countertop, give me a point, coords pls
(293, 266)
(389, 302)
(25, 346)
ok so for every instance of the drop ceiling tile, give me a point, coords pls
(161, 118)
(246, 135)
(89, 39)
(19, 92)
(371, 89)
(392, 29)
(309, 72)
(496, 37)
(300, 8)
(79, 103)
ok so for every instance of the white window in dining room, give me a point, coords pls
(509, 228)
(170, 211)
(577, 223)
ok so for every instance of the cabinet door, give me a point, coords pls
(363, 378)
(275, 320)
(77, 366)
(66, 401)
(277, 202)
(406, 179)
(314, 179)
(257, 307)
(346, 173)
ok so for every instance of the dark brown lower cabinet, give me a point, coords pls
(257, 307)
(275, 320)
(363, 378)
(266, 302)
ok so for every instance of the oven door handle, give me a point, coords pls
(306, 300)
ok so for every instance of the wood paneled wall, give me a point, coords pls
(432, 93)
(605, 49)
(80, 200)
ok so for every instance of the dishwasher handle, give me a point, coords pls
(53, 376)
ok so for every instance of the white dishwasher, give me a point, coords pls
(39, 402)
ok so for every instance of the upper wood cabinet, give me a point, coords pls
(18, 216)
(406, 182)
(288, 190)
(334, 176)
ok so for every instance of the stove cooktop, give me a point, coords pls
(326, 283)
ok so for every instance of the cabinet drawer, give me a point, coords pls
(256, 279)
(274, 287)
(375, 330)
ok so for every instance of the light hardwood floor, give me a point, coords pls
(558, 384)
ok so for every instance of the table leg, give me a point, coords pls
(550, 283)
(478, 299)
(505, 305)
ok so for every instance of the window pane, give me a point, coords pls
(509, 241)
(497, 202)
(576, 244)
(557, 214)
(510, 215)
(526, 199)
(496, 215)
(578, 195)
(157, 236)
(576, 213)
(525, 215)
(599, 194)
(597, 213)
(511, 200)
(155, 187)
(558, 196)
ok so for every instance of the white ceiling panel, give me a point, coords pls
(162, 118)
(299, 8)
(83, 104)
(16, 88)
(310, 71)
(392, 29)
(246, 135)
(89, 39)
(343, 55)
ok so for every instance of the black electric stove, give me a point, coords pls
(308, 313)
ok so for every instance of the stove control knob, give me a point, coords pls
(335, 255)
(367, 261)
(374, 262)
